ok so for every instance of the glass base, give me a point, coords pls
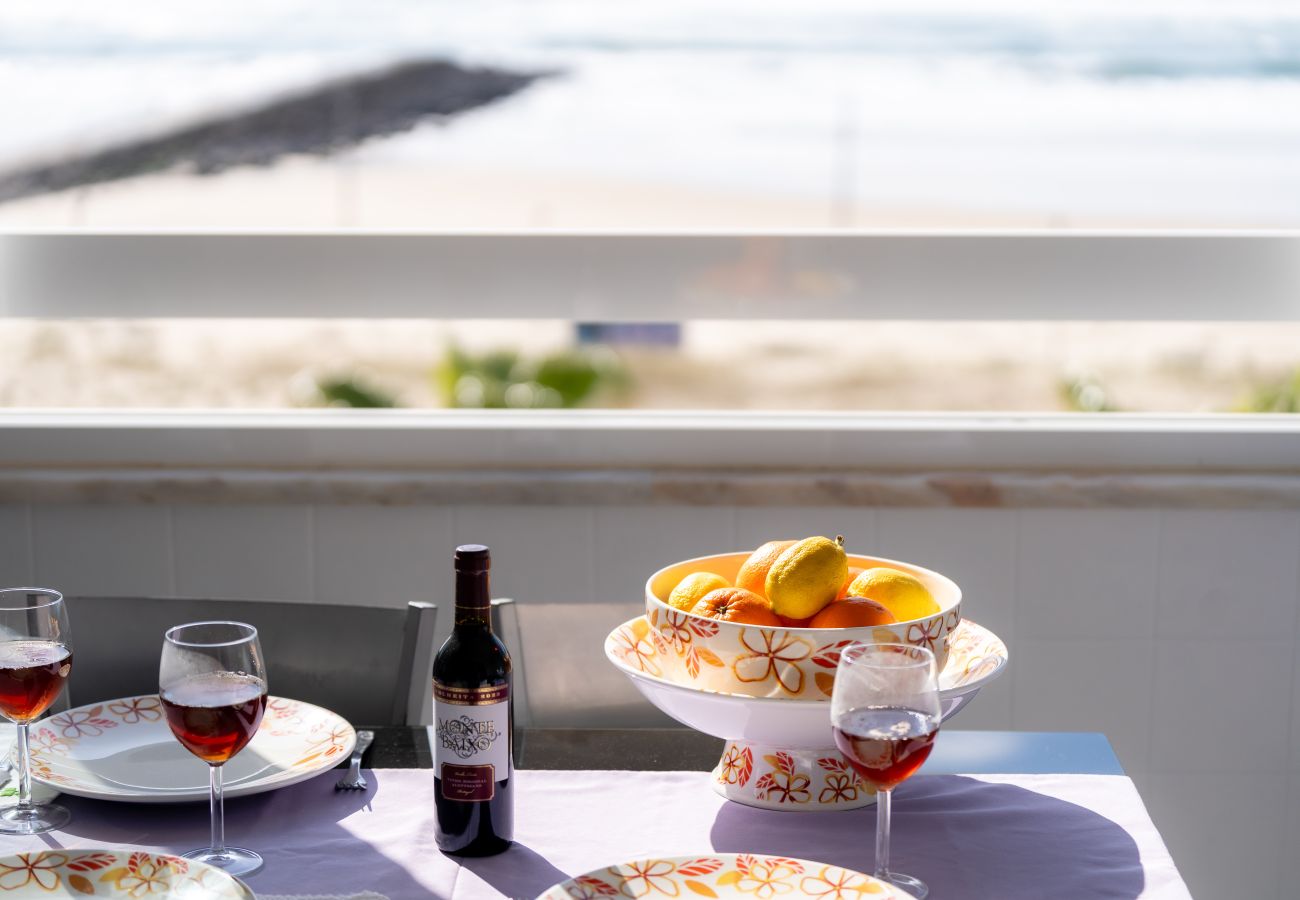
(914, 886)
(36, 819)
(232, 860)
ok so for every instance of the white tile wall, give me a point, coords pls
(383, 556)
(103, 550)
(253, 552)
(1291, 839)
(757, 525)
(643, 539)
(1074, 592)
(1295, 709)
(1225, 832)
(1220, 705)
(15, 547)
(1228, 573)
(1086, 573)
(540, 554)
(1088, 685)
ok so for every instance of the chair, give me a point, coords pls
(568, 681)
(372, 666)
(505, 624)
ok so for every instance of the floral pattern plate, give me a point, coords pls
(123, 750)
(721, 875)
(122, 874)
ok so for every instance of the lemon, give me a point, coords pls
(693, 587)
(806, 577)
(902, 594)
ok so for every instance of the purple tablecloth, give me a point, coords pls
(970, 837)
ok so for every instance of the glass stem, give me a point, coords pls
(882, 835)
(24, 770)
(218, 810)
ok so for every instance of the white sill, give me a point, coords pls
(649, 457)
(617, 439)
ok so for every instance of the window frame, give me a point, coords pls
(648, 277)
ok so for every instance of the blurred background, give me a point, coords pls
(677, 114)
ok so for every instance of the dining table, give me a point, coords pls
(1000, 815)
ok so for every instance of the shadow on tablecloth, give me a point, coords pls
(296, 829)
(966, 838)
(519, 872)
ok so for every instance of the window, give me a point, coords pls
(724, 114)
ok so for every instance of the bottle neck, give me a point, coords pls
(473, 602)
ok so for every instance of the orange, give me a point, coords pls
(737, 605)
(854, 572)
(794, 623)
(753, 572)
(852, 612)
(694, 586)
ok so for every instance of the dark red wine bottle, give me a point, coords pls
(473, 721)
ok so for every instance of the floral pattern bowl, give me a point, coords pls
(124, 874)
(781, 662)
(780, 753)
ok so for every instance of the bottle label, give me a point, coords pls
(472, 728)
(468, 783)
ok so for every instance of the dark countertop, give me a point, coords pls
(648, 749)
(679, 749)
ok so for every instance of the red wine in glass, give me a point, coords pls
(885, 744)
(885, 714)
(212, 681)
(214, 715)
(35, 660)
(31, 675)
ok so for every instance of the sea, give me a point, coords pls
(1170, 111)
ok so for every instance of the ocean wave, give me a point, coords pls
(1098, 39)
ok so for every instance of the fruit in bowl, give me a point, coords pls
(818, 614)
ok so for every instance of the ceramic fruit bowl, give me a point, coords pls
(779, 752)
(764, 662)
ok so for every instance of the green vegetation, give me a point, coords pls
(1085, 393)
(502, 379)
(1279, 397)
(348, 391)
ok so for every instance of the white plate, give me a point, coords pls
(116, 874)
(9, 777)
(747, 875)
(123, 750)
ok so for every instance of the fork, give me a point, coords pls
(353, 780)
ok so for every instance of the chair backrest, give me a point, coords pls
(505, 624)
(569, 682)
(372, 666)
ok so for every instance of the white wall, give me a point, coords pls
(1173, 631)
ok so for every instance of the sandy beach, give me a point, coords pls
(1183, 367)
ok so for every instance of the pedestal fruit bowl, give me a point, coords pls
(765, 691)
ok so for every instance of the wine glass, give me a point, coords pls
(885, 716)
(213, 686)
(35, 659)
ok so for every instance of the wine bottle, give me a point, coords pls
(473, 721)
